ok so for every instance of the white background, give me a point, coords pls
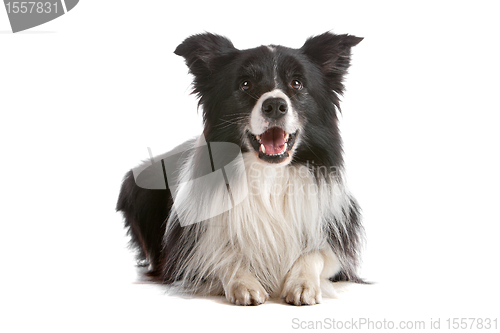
(82, 97)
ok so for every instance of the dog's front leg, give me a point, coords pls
(303, 281)
(242, 287)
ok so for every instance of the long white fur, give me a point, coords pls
(282, 218)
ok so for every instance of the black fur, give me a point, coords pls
(145, 212)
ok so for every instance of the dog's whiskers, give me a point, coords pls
(239, 120)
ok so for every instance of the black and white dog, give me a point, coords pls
(257, 206)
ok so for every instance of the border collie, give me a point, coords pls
(257, 206)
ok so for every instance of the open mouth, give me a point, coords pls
(273, 145)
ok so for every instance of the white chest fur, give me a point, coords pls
(279, 213)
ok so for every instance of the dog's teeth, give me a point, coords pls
(284, 148)
(286, 136)
(263, 148)
(257, 137)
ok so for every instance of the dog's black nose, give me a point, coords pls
(274, 108)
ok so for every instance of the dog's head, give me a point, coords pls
(276, 102)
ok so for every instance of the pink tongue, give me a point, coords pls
(273, 140)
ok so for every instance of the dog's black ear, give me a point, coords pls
(202, 52)
(332, 53)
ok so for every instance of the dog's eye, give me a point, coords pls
(296, 84)
(245, 85)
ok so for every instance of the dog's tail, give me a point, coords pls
(343, 276)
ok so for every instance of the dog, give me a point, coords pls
(257, 206)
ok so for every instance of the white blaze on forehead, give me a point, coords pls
(259, 124)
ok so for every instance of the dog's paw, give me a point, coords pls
(246, 292)
(301, 291)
